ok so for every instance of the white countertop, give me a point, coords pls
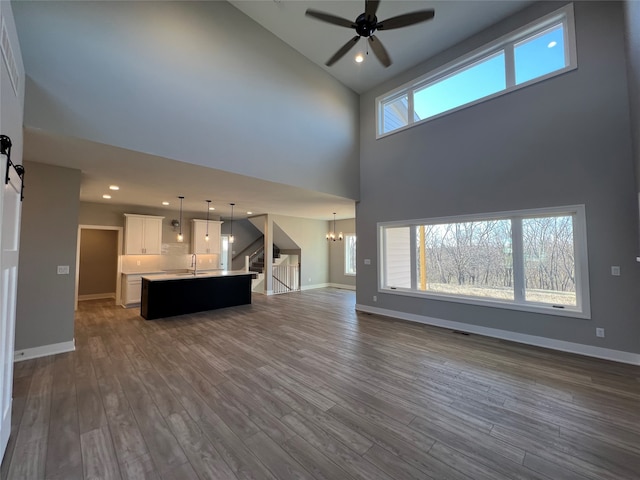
(204, 274)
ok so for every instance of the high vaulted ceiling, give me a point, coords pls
(454, 21)
(145, 180)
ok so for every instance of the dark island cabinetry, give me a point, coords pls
(170, 296)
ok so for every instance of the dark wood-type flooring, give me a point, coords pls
(300, 386)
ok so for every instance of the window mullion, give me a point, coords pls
(517, 247)
(410, 107)
(509, 64)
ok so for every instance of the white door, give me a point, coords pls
(11, 207)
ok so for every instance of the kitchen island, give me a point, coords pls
(167, 295)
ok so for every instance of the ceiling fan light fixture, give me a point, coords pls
(366, 24)
(359, 58)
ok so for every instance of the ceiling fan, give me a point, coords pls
(366, 24)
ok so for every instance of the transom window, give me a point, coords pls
(529, 260)
(538, 51)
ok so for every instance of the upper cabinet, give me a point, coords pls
(199, 243)
(142, 234)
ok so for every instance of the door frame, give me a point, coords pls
(119, 258)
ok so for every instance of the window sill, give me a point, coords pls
(567, 311)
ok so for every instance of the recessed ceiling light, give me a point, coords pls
(106, 196)
(552, 44)
(359, 58)
(249, 213)
(165, 203)
(114, 187)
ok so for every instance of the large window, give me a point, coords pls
(349, 254)
(530, 260)
(531, 54)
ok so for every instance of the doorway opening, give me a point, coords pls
(98, 269)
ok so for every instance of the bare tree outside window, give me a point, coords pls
(549, 263)
(468, 258)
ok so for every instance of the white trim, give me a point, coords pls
(96, 296)
(553, 344)
(44, 351)
(582, 309)
(342, 286)
(119, 256)
(313, 287)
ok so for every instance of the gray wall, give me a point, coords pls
(198, 82)
(632, 36)
(560, 142)
(46, 300)
(336, 253)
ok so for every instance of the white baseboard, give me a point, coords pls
(96, 296)
(44, 351)
(561, 345)
(313, 287)
(342, 286)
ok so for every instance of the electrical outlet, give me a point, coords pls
(600, 332)
(375, 298)
(367, 261)
(615, 271)
(138, 262)
(63, 269)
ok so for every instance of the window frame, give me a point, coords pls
(583, 304)
(346, 243)
(505, 43)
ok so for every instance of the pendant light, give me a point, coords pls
(206, 237)
(180, 237)
(332, 234)
(231, 237)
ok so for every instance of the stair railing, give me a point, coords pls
(254, 256)
(286, 278)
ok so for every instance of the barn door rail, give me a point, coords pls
(5, 149)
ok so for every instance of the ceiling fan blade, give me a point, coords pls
(327, 17)
(405, 20)
(370, 8)
(379, 51)
(341, 53)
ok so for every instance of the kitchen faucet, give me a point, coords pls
(194, 263)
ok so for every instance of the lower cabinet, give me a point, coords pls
(131, 289)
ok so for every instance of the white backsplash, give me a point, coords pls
(175, 256)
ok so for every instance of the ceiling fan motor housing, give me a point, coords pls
(365, 27)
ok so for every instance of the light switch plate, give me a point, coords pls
(63, 269)
(367, 261)
(615, 271)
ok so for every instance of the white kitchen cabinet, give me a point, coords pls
(142, 234)
(199, 244)
(131, 289)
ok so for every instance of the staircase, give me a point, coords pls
(286, 276)
(256, 261)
